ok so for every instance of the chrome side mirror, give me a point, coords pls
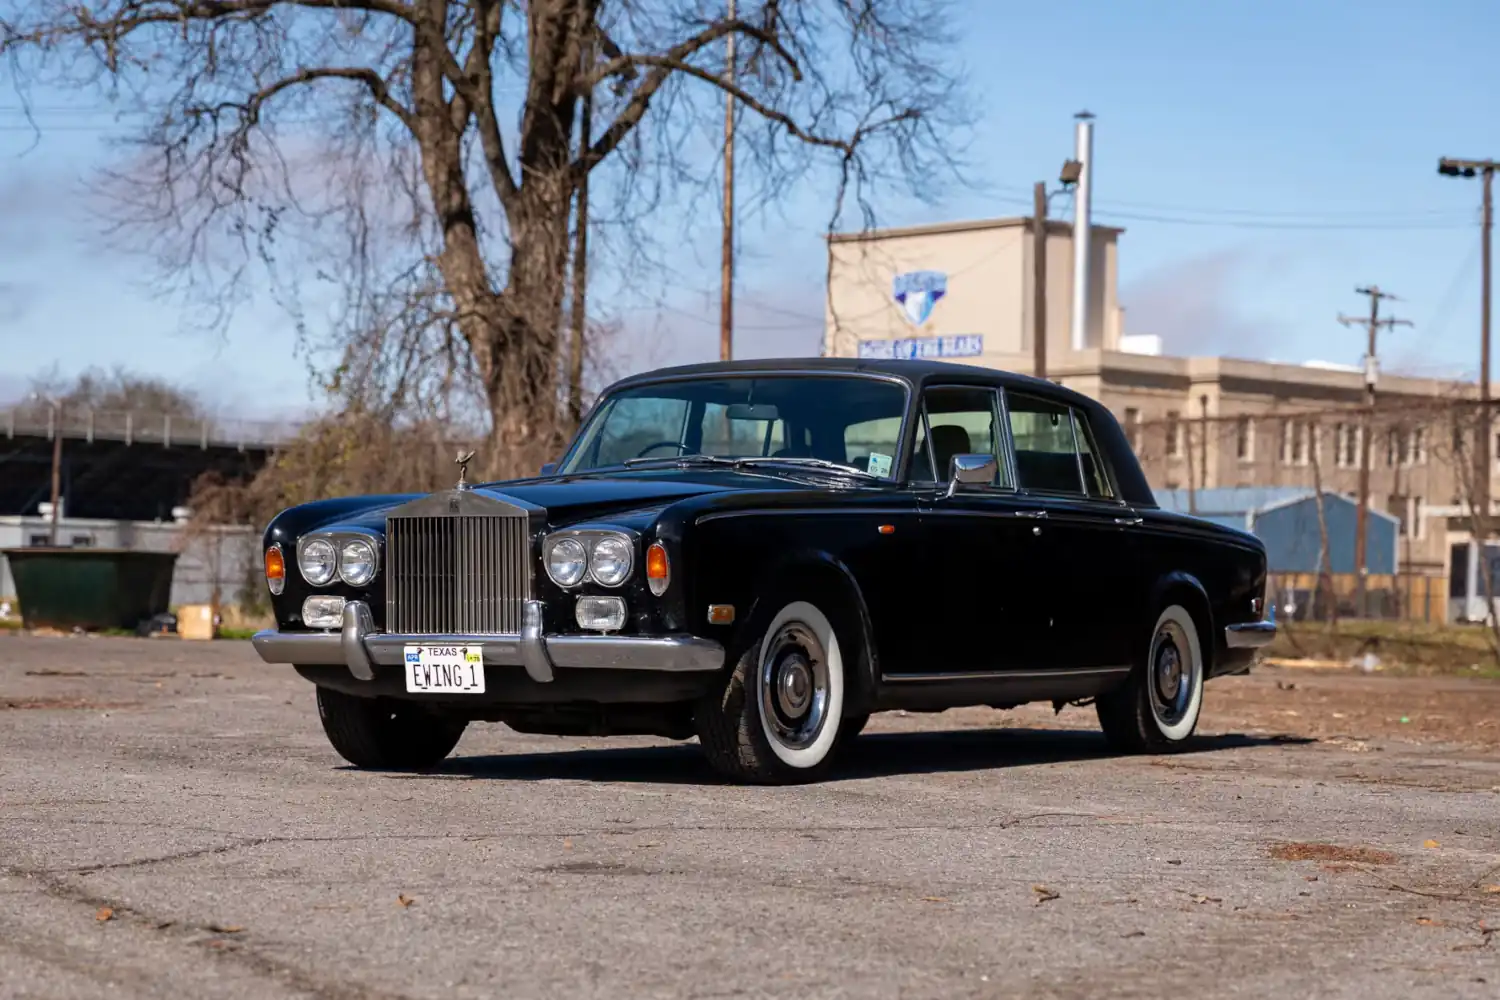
(971, 470)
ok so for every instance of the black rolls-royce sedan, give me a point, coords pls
(761, 554)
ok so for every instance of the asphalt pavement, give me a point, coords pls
(174, 824)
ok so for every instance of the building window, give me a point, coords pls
(1294, 437)
(1174, 433)
(1419, 445)
(1410, 510)
(83, 541)
(1133, 428)
(1244, 439)
(37, 541)
(1346, 439)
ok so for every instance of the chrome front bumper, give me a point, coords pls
(1250, 635)
(359, 647)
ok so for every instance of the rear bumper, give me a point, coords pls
(360, 648)
(1249, 635)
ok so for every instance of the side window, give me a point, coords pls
(960, 421)
(1046, 455)
(1095, 477)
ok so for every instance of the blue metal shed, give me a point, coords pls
(1285, 518)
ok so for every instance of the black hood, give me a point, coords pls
(569, 499)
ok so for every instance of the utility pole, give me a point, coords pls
(726, 277)
(57, 436)
(1039, 281)
(581, 255)
(1069, 176)
(1371, 325)
(1485, 169)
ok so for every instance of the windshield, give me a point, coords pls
(849, 421)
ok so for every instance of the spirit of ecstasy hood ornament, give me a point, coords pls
(462, 461)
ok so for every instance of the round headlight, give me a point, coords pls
(318, 562)
(567, 562)
(357, 562)
(610, 561)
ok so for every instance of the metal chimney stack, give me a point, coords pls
(1082, 230)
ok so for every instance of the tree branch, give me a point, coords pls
(372, 80)
(665, 66)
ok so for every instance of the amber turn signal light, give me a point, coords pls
(658, 572)
(275, 569)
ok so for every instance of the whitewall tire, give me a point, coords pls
(777, 718)
(1158, 706)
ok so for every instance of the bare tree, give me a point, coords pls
(420, 157)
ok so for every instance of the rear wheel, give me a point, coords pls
(382, 734)
(1157, 708)
(777, 718)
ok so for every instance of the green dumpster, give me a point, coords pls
(90, 588)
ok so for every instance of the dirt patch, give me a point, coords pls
(63, 703)
(1332, 853)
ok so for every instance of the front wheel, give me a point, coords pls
(776, 719)
(386, 735)
(1157, 708)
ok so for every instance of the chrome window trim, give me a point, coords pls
(898, 467)
(583, 533)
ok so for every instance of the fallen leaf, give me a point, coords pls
(1044, 894)
(405, 900)
(225, 928)
(1429, 922)
(934, 899)
(1431, 843)
(105, 913)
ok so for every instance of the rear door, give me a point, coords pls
(1087, 576)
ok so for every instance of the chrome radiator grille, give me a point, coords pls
(464, 575)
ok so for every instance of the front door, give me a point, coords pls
(977, 597)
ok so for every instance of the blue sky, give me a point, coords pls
(1264, 158)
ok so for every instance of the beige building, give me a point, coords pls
(1196, 422)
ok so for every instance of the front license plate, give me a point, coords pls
(444, 669)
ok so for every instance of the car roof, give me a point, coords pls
(915, 372)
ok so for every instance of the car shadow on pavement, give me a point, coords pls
(872, 755)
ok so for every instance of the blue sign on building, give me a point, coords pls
(962, 345)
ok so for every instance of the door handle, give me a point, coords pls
(1129, 521)
(1031, 513)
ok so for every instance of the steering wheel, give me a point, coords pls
(681, 447)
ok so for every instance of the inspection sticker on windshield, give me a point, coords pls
(880, 465)
(444, 669)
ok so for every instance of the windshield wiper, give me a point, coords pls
(680, 460)
(821, 463)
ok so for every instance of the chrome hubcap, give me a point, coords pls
(793, 683)
(1173, 676)
(794, 686)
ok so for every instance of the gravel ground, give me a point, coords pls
(172, 822)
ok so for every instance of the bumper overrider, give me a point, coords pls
(361, 648)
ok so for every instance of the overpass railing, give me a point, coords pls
(145, 427)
